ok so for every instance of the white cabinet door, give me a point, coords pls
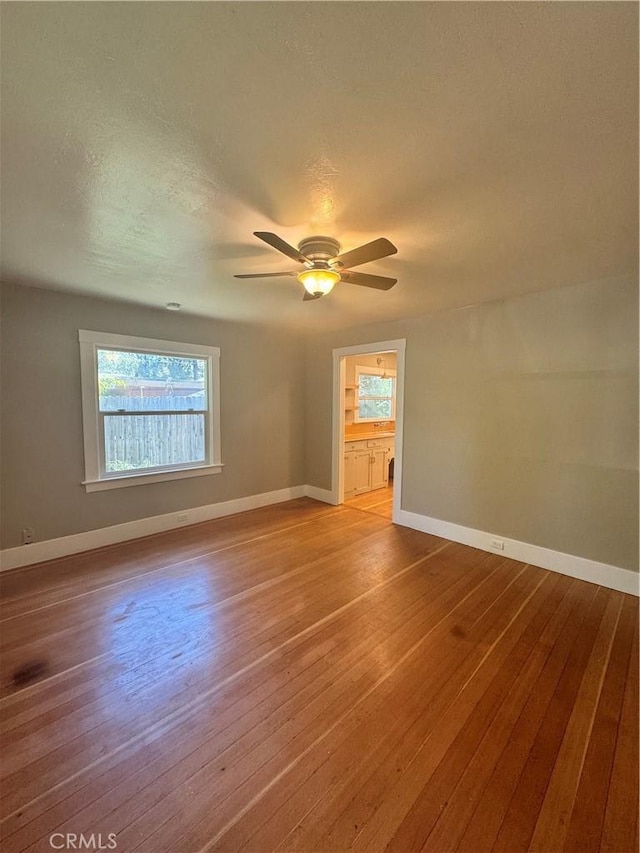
(379, 468)
(349, 473)
(362, 471)
(366, 465)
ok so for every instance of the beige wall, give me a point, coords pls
(521, 417)
(262, 426)
(351, 362)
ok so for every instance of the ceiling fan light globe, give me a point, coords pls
(318, 282)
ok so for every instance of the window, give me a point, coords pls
(151, 410)
(376, 394)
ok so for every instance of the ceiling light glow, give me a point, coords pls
(318, 281)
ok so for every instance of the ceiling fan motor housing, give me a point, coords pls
(319, 248)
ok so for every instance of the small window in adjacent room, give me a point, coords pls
(376, 394)
(151, 410)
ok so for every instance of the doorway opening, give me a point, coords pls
(368, 407)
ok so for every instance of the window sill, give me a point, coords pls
(153, 477)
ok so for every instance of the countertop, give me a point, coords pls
(368, 435)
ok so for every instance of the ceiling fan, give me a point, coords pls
(325, 267)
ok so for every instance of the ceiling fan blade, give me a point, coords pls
(380, 248)
(379, 282)
(266, 274)
(279, 244)
(308, 296)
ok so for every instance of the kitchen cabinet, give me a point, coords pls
(349, 473)
(366, 465)
(379, 477)
(362, 471)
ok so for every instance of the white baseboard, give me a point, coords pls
(323, 495)
(38, 552)
(612, 577)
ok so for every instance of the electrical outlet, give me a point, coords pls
(28, 535)
(497, 544)
(183, 516)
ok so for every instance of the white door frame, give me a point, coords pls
(337, 431)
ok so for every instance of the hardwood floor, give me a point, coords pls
(379, 502)
(313, 678)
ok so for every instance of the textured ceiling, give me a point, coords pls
(494, 143)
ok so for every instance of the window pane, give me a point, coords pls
(147, 441)
(377, 409)
(375, 386)
(140, 381)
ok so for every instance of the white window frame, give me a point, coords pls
(96, 477)
(374, 371)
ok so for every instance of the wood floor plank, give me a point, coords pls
(620, 830)
(369, 710)
(459, 798)
(19, 712)
(231, 783)
(587, 816)
(421, 805)
(378, 502)
(203, 602)
(493, 802)
(313, 678)
(77, 574)
(425, 545)
(306, 670)
(235, 656)
(397, 720)
(272, 599)
(521, 816)
(231, 567)
(553, 821)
